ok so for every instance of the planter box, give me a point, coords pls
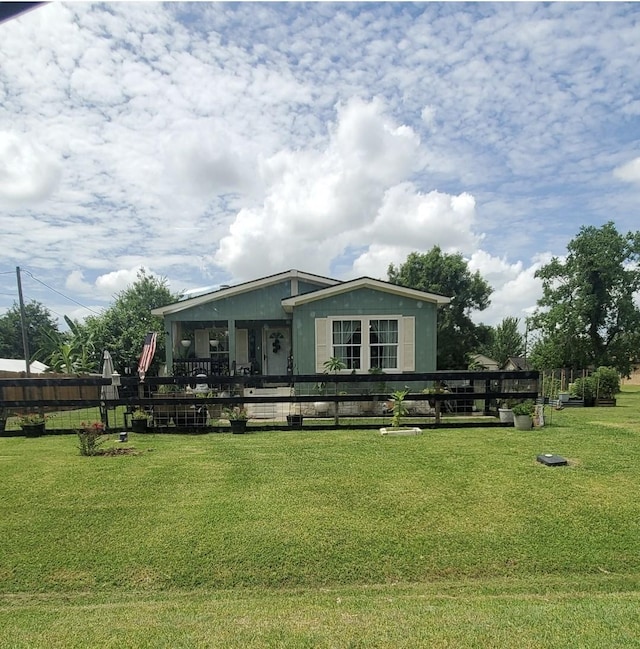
(605, 402)
(506, 415)
(400, 432)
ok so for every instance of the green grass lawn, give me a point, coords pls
(456, 538)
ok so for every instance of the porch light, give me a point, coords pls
(185, 343)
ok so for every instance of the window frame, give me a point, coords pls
(365, 344)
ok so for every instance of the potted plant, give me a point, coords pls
(505, 411)
(139, 420)
(523, 414)
(32, 424)
(238, 417)
(399, 409)
(294, 418)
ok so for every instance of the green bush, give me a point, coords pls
(607, 382)
(527, 407)
(583, 388)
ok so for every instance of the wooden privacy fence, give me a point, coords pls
(348, 395)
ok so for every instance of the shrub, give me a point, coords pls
(527, 407)
(91, 437)
(607, 382)
(583, 388)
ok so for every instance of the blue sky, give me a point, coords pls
(215, 143)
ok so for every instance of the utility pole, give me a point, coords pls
(23, 324)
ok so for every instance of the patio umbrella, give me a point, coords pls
(108, 391)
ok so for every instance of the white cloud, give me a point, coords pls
(319, 201)
(222, 142)
(106, 286)
(29, 172)
(629, 171)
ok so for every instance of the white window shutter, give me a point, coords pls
(242, 346)
(322, 349)
(408, 344)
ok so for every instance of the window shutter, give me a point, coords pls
(408, 344)
(242, 346)
(322, 351)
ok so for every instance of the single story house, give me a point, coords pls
(293, 321)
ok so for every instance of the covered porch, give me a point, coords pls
(230, 347)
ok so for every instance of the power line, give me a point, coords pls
(66, 297)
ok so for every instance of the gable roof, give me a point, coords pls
(518, 362)
(288, 304)
(245, 287)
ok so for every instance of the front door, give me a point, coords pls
(277, 346)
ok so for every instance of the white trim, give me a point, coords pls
(405, 345)
(289, 303)
(245, 287)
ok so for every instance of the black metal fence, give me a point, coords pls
(190, 403)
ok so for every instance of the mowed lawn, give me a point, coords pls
(455, 538)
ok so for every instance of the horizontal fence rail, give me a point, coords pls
(458, 391)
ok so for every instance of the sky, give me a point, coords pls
(215, 143)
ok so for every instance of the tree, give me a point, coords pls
(40, 327)
(587, 315)
(448, 274)
(122, 328)
(505, 340)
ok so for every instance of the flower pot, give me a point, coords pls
(523, 422)
(139, 425)
(294, 421)
(33, 430)
(506, 415)
(238, 426)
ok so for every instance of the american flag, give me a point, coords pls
(148, 351)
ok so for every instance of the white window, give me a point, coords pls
(366, 342)
(383, 344)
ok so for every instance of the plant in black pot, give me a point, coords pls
(238, 417)
(32, 424)
(294, 418)
(139, 420)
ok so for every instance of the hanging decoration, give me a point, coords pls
(276, 336)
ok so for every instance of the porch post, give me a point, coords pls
(232, 344)
(168, 346)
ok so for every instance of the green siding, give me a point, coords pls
(264, 305)
(364, 302)
(261, 304)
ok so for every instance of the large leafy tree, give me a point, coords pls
(122, 328)
(448, 274)
(40, 325)
(505, 340)
(588, 315)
